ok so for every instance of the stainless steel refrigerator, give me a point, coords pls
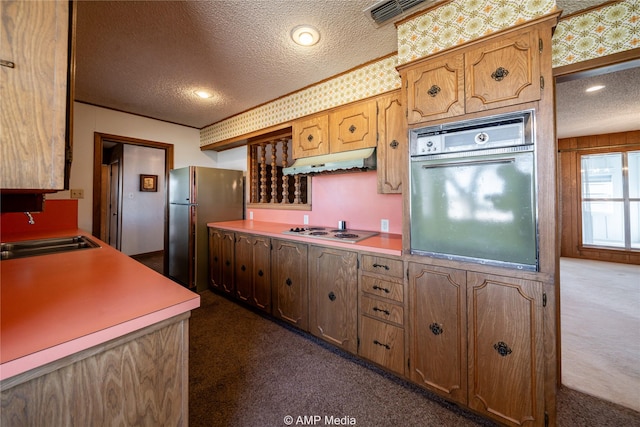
(197, 196)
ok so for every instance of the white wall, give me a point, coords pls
(142, 219)
(88, 119)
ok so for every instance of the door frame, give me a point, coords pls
(98, 144)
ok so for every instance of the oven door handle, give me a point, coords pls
(471, 162)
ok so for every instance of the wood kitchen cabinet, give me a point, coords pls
(310, 136)
(501, 71)
(290, 287)
(382, 312)
(346, 128)
(34, 49)
(392, 143)
(221, 260)
(438, 332)
(333, 296)
(252, 270)
(505, 353)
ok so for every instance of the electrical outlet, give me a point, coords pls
(384, 225)
(250, 214)
(306, 219)
(77, 194)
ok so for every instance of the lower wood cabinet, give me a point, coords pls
(221, 260)
(438, 330)
(477, 339)
(253, 270)
(506, 360)
(333, 296)
(382, 343)
(289, 285)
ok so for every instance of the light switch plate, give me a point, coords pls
(384, 225)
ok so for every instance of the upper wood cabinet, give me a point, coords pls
(435, 89)
(499, 72)
(392, 143)
(347, 128)
(310, 136)
(353, 127)
(34, 50)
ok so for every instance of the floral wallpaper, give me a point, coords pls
(611, 29)
(460, 21)
(600, 32)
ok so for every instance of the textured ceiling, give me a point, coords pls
(147, 57)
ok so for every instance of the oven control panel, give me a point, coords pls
(425, 144)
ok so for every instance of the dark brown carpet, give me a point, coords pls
(249, 370)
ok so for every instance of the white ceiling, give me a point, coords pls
(147, 57)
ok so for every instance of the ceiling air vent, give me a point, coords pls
(385, 10)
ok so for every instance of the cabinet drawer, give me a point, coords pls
(381, 265)
(383, 288)
(382, 343)
(382, 310)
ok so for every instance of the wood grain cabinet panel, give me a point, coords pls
(252, 270)
(392, 144)
(382, 343)
(34, 38)
(503, 72)
(383, 265)
(382, 309)
(435, 89)
(310, 136)
(353, 127)
(290, 287)
(506, 360)
(333, 299)
(438, 337)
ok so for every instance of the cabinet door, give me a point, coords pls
(261, 273)
(227, 247)
(392, 144)
(353, 127)
(215, 258)
(310, 136)
(435, 89)
(244, 267)
(505, 321)
(333, 299)
(34, 93)
(438, 337)
(503, 72)
(289, 281)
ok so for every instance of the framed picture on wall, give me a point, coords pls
(148, 182)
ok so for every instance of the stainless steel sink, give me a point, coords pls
(26, 248)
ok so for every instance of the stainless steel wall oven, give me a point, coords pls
(473, 191)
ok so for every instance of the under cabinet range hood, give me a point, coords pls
(363, 159)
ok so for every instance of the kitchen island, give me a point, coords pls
(91, 337)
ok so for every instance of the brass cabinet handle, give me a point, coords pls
(352, 128)
(310, 138)
(499, 74)
(394, 144)
(502, 348)
(433, 91)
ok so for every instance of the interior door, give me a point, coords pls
(114, 205)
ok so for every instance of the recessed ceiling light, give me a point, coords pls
(305, 35)
(203, 94)
(594, 88)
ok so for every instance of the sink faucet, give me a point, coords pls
(31, 221)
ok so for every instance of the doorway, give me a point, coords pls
(114, 193)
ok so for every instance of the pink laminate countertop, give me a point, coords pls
(56, 305)
(384, 243)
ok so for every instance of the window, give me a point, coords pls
(268, 186)
(611, 200)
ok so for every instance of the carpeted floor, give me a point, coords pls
(248, 370)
